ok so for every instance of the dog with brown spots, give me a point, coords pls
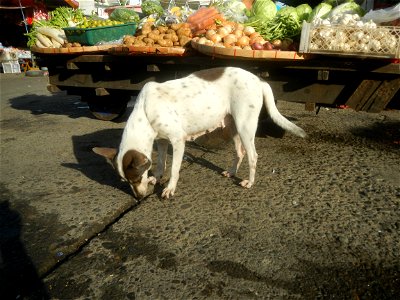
(183, 109)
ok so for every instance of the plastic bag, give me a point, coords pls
(385, 15)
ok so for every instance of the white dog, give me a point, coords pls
(183, 109)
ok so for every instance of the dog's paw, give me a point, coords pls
(246, 184)
(227, 174)
(167, 192)
(152, 180)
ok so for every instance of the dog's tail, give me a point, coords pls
(276, 116)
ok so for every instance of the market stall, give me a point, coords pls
(330, 54)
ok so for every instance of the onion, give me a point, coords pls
(202, 40)
(230, 39)
(257, 39)
(222, 31)
(229, 28)
(247, 48)
(277, 44)
(243, 41)
(209, 43)
(210, 33)
(257, 46)
(248, 30)
(215, 38)
(238, 33)
(239, 26)
(268, 46)
(254, 35)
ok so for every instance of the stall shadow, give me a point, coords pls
(19, 279)
(58, 104)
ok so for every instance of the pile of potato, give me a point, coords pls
(174, 35)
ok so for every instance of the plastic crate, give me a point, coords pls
(11, 67)
(96, 35)
(382, 41)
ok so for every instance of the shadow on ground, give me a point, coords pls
(19, 278)
(57, 104)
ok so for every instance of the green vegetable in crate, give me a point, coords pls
(124, 15)
(303, 11)
(150, 7)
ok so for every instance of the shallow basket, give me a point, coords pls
(381, 42)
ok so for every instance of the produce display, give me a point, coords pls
(332, 26)
(343, 30)
(178, 35)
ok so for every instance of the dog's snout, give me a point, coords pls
(139, 191)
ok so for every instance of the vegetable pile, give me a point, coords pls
(348, 33)
(178, 35)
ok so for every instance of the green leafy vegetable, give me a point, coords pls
(66, 17)
(263, 10)
(285, 24)
(303, 11)
(150, 7)
(347, 8)
(322, 11)
(336, 2)
(289, 11)
(233, 10)
(125, 15)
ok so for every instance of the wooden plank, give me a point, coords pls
(383, 95)
(362, 94)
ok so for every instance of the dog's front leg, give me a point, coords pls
(178, 147)
(162, 149)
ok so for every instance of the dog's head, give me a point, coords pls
(132, 166)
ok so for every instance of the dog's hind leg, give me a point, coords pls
(162, 149)
(247, 132)
(239, 154)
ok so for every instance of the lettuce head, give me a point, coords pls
(322, 11)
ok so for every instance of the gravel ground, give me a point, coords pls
(321, 222)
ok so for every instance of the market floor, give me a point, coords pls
(321, 222)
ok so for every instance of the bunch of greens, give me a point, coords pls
(63, 17)
(152, 7)
(275, 24)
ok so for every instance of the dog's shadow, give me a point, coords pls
(92, 165)
(97, 169)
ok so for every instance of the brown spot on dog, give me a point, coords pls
(134, 164)
(210, 76)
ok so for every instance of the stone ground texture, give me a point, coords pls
(321, 222)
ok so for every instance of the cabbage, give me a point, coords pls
(303, 11)
(347, 8)
(288, 11)
(322, 11)
(124, 15)
(263, 10)
(336, 2)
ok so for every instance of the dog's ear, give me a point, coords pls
(108, 153)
